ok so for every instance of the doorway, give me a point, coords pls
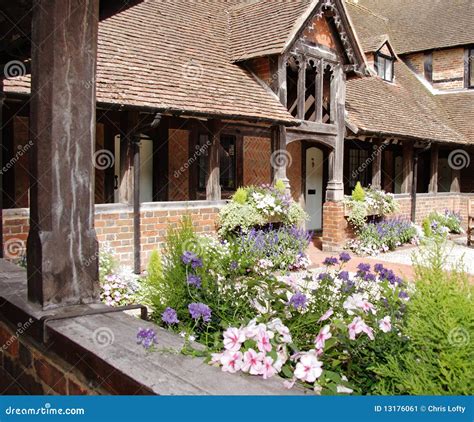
(314, 187)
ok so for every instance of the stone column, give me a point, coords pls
(62, 245)
(433, 188)
(213, 183)
(335, 188)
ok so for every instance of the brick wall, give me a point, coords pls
(318, 32)
(448, 64)
(416, 62)
(261, 67)
(257, 167)
(28, 368)
(114, 226)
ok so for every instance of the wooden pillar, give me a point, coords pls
(319, 91)
(213, 183)
(389, 168)
(377, 166)
(414, 185)
(2, 100)
(129, 122)
(109, 145)
(335, 188)
(161, 161)
(281, 80)
(433, 188)
(455, 181)
(301, 86)
(136, 203)
(407, 168)
(280, 156)
(62, 246)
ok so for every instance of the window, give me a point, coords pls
(470, 68)
(360, 169)
(384, 66)
(227, 161)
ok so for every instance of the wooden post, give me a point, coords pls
(136, 202)
(213, 184)
(318, 95)
(335, 188)
(377, 166)
(433, 188)
(129, 122)
(407, 168)
(62, 246)
(281, 80)
(109, 145)
(161, 161)
(301, 87)
(280, 157)
(456, 181)
(414, 185)
(2, 100)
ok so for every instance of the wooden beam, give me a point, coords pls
(301, 87)
(279, 158)
(135, 141)
(314, 127)
(109, 145)
(2, 101)
(129, 121)
(62, 246)
(161, 160)
(281, 78)
(319, 91)
(433, 187)
(414, 185)
(213, 186)
(407, 168)
(377, 166)
(455, 181)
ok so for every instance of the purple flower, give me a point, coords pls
(200, 310)
(344, 275)
(146, 337)
(169, 316)
(378, 268)
(194, 280)
(330, 261)
(234, 265)
(364, 268)
(189, 257)
(298, 301)
(403, 295)
(344, 257)
(369, 277)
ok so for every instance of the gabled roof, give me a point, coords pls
(401, 109)
(417, 25)
(173, 56)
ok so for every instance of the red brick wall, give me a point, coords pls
(114, 226)
(318, 32)
(261, 67)
(26, 368)
(257, 167)
(447, 64)
(416, 61)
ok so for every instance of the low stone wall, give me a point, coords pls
(114, 226)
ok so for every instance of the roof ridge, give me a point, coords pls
(366, 9)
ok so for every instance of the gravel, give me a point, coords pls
(456, 251)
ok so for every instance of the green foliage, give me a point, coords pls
(240, 196)
(426, 226)
(358, 194)
(438, 356)
(437, 224)
(280, 186)
(235, 216)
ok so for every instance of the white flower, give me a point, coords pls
(344, 390)
(308, 368)
(385, 324)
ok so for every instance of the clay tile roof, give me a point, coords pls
(401, 109)
(460, 109)
(417, 25)
(173, 55)
(264, 27)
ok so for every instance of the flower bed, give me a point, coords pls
(437, 224)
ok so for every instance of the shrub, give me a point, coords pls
(437, 224)
(437, 357)
(358, 194)
(259, 206)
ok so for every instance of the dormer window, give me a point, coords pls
(384, 66)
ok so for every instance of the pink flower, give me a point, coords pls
(231, 361)
(253, 362)
(308, 368)
(263, 340)
(385, 324)
(233, 339)
(268, 370)
(324, 334)
(366, 306)
(358, 326)
(326, 315)
(289, 383)
(215, 359)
